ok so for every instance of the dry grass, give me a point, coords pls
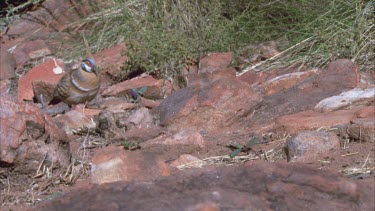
(361, 171)
(275, 154)
(48, 181)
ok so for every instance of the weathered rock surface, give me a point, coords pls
(112, 59)
(362, 129)
(120, 107)
(147, 103)
(209, 77)
(28, 135)
(184, 159)
(108, 125)
(156, 89)
(257, 78)
(284, 82)
(74, 121)
(113, 164)
(7, 65)
(216, 61)
(50, 72)
(27, 51)
(352, 98)
(307, 146)
(143, 134)
(140, 118)
(367, 111)
(310, 120)
(209, 105)
(341, 75)
(256, 186)
(187, 136)
(43, 20)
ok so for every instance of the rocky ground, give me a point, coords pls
(215, 138)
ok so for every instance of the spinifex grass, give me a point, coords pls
(162, 35)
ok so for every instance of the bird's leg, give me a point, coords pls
(42, 102)
(83, 110)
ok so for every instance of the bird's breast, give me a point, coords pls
(85, 81)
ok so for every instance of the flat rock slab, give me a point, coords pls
(209, 105)
(347, 99)
(341, 75)
(50, 72)
(257, 185)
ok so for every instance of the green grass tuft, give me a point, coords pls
(163, 34)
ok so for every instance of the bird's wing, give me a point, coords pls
(61, 91)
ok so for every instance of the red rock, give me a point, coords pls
(188, 136)
(7, 65)
(215, 61)
(50, 72)
(362, 129)
(252, 77)
(156, 89)
(284, 82)
(209, 105)
(113, 164)
(342, 75)
(143, 134)
(182, 81)
(343, 68)
(205, 206)
(53, 16)
(310, 120)
(185, 159)
(28, 135)
(112, 60)
(149, 103)
(111, 101)
(367, 111)
(206, 77)
(30, 50)
(257, 185)
(256, 78)
(23, 26)
(73, 121)
(309, 146)
(91, 112)
(121, 107)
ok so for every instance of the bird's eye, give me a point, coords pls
(88, 63)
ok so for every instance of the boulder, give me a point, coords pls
(309, 146)
(258, 185)
(28, 136)
(113, 164)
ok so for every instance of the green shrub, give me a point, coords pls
(163, 34)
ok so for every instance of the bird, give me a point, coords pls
(78, 86)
